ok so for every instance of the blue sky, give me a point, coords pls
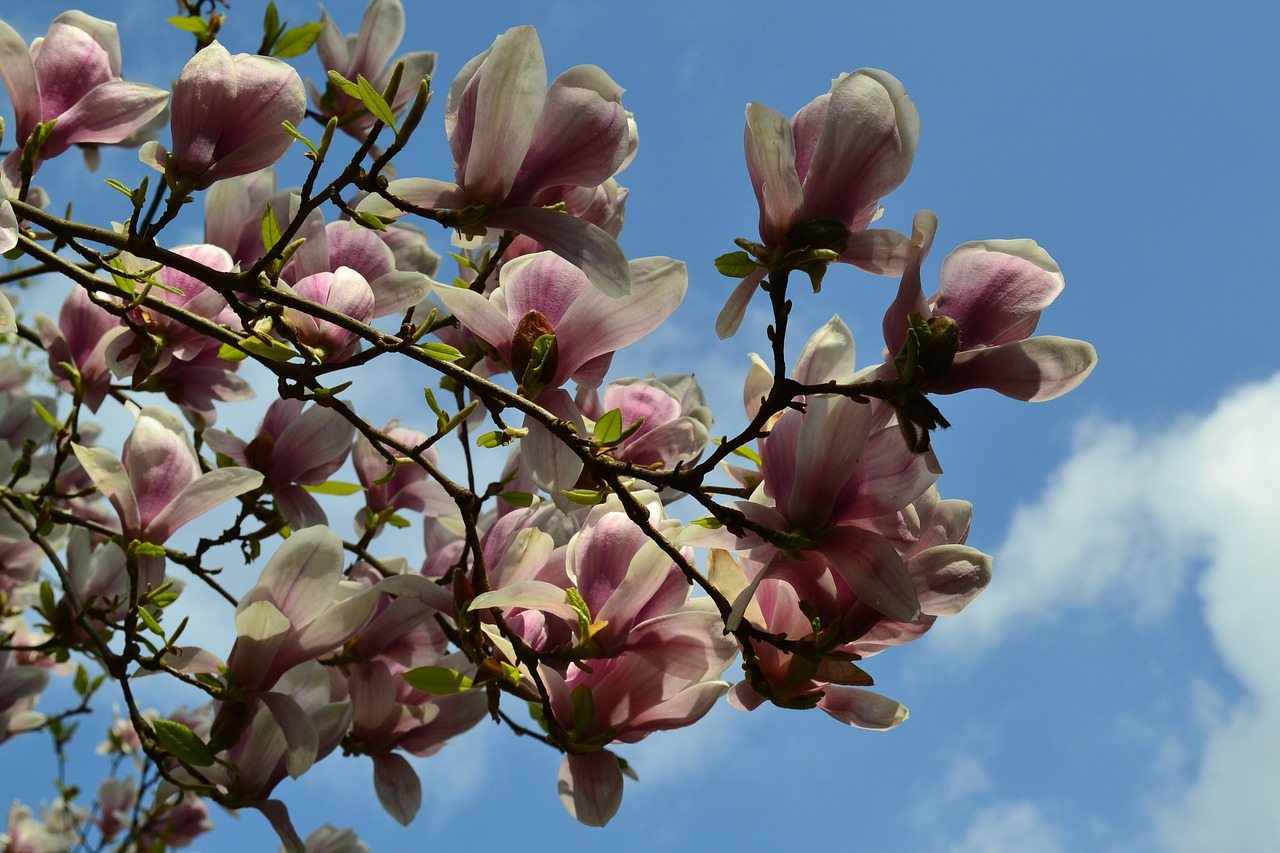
(1116, 686)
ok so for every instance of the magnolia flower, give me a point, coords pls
(367, 54)
(819, 178)
(512, 138)
(156, 485)
(292, 448)
(993, 292)
(227, 117)
(71, 77)
(80, 339)
(543, 294)
(343, 291)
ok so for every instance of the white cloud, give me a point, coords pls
(1009, 826)
(1133, 515)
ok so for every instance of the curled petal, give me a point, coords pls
(996, 289)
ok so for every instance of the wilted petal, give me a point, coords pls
(591, 786)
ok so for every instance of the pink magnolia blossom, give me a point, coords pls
(672, 414)
(343, 291)
(71, 77)
(156, 485)
(826, 469)
(80, 338)
(368, 54)
(994, 291)
(512, 138)
(544, 294)
(819, 178)
(227, 117)
(292, 448)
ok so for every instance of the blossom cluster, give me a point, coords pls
(815, 537)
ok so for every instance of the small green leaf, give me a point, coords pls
(182, 743)
(579, 605)
(344, 84)
(191, 24)
(116, 185)
(271, 22)
(491, 439)
(334, 487)
(297, 134)
(298, 40)
(444, 352)
(150, 622)
(736, 265)
(748, 453)
(398, 521)
(270, 227)
(146, 549)
(524, 499)
(368, 220)
(709, 523)
(81, 682)
(375, 102)
(227, 352)
(441, 416)
(269, 349)
(44, 413)
(585, 497)
(609, 428)
(163, 599)
(437, 680)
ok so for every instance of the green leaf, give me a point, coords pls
(585, 497)
(271, 22)
(523, 499)
(748, 453)
(44, 413)
(344, 84)
(227, 352)
(444, 352)
(81, 682)
(47, 602)
(334, 487)
(377, 105)
(269, 349)
(146, 549)
(116, 185)
(709, 523)
(437, 680)
(270, 227)
(297, 134)
(579, 605)
(609, 428)
(491, 439)
(163, 599)
(736, 265)
(398, 521)
(150, 622)
(368, 220)
(182, 743)
(191, 24)
(298, 40)
(441, 416)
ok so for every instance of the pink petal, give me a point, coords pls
(591, 786)
(948, 577)
(111, 478)
(509, 97)
(771, 162)
(588, 247)
(828, 356)
(19, 76)
(881, 251)
(730, 317)
(109, 113)
(300, 578)
(1036, 369)
(381, 30)
(862, 708)
(872, 569)
(397, 785)
(995, 290)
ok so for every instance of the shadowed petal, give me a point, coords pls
(591, 786)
